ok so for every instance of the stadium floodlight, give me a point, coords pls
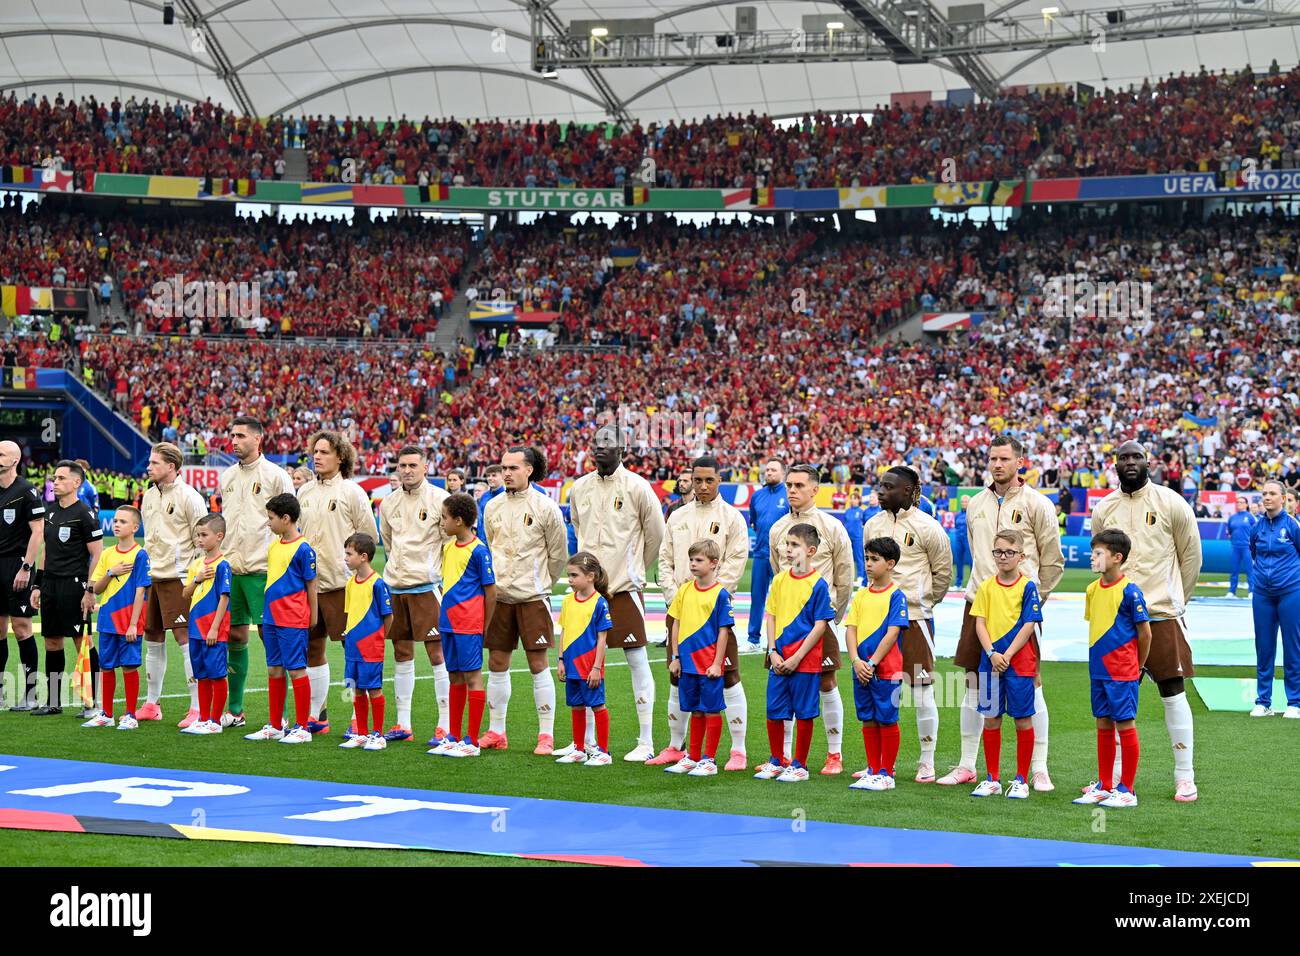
(599, 32)
(835, 25)
(550, 75)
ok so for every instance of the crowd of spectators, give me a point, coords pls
(1199, 121)
(387, 278)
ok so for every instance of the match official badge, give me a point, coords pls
(65, 533)
(10, 515)
(1151, 518)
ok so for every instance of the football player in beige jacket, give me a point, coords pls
(616, 517)
(1165, 564)
(923, 573)
(333, 509)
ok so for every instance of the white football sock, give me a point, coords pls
(590, 740)
(972, 726)
(1178, 718)
(737, 715)
(833, 719)
(544, 698)
(498, 699)
(404, 690)
(676, 726)
(190, 682)
(927, 722)
(643, 693)
(441, 691)
(789, 740)
(155, 669)
(1038, 761)
(1118, 771)
(320, 688)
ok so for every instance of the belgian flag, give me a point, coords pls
(635, 195)
(16, 174)
(436, 192)
(762, 198)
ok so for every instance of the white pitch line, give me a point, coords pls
(389, 680)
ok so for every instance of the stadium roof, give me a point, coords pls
(456, 57)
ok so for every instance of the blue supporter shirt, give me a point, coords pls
(767, 506)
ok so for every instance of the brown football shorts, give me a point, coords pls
(331, 621)
(529, 623)
(415, 617)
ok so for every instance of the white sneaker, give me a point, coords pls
(353, 742)
(864, 782)
(573, 756)
(881, 781)
(1094, 795)
(198, 728)
(127, 722)
(793, 774)
(1292, 713)
(214, 727)
(1260, 710)
(599, 759)
(752, 647)
(563, 751)
(705, 768)
(266, 733)
(1120, 798)
(1185, 791)
(440, 750)
(100, 719)
(1041, 781)
(463, 749)
(685, 765)
(987, 788)
(1019, 790)
(232, 720)
(299, 735)
(769, 771)
(376, 741)
(641, 754)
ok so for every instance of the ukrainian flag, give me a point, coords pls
(326, 193)
(625, 256)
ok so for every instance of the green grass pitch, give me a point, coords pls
(1242, 769)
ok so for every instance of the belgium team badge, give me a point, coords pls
(1151, 518)
(424, 514)
(909, 539)
(618, 502)
(257, 487)
(713, 527)
(334, 505)
(528, 521)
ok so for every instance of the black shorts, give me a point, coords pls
(61, 607)
(13, 603)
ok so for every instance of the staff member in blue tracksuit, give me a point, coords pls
(1240, 524)
(1275, 599)
(960, 543)
(855, 516)
(766, 507)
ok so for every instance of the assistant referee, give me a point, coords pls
(73, 542)
(22, 529)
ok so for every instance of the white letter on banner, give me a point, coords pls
(383, 806)
(133, 790)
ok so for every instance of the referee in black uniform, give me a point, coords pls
(22, 528)
(73, 542)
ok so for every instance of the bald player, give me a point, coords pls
(706, 517)
(923, 573)
(525, 533)
(171, 509)
(1007, 503)
(834, 562)
(615, 515)
(22, 530)
(333, 509)
(410, 525)
(1165, 563)
(246, 487)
